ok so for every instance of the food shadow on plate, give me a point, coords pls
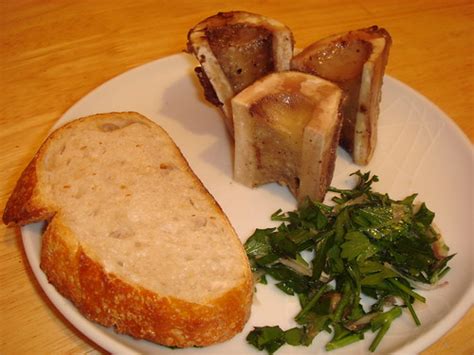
(184, 101)
(184, 105)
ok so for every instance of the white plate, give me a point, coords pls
(420, 150)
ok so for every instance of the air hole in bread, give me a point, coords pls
(200, 222)
(165, 166)
(80, 192)
(120, 234)
(94, 212)
(119, 124)
(113, 126)
(108, 127)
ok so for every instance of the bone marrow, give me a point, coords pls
(234, 49)
(355, 61)
(286, 131)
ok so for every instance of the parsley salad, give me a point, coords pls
(366, 244)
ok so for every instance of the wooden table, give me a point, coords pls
(53, 53)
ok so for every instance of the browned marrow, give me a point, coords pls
(287, 128)
(234, 49)
(355, 61)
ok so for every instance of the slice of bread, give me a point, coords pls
(234, 49)
(287, 129)
(356, 61)
(133, 238)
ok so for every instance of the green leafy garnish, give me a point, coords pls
(267, 338)
(366, 244)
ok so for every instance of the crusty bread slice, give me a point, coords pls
(356, 61)
(287, 129)
(134, 239)
(234, 49)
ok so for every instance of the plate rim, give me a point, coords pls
(110, 343)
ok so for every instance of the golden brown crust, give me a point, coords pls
(111, 301)
(21, 208)
(131, 309)
(58, 261)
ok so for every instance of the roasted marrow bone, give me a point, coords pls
(356, 61)
(235, 49)
(287, 129)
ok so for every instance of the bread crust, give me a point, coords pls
(23, 206)
(108, 299)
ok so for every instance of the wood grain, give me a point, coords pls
(53, 53)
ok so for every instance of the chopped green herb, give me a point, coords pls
(267, 338)
(383, 321)
(294, 336)
(366, 244)
(348, 339)
(358, 246)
